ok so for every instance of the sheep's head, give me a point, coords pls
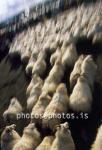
(62, 130)
(62, 88)
(8, 133)
(30, 129)
(11, 113)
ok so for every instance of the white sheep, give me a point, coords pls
(13, 110)
(70, 56)
(54, 56)
(46, 143)
(40, 65)
(57, 106)
(81, 97)
(88, 70)
(30, 138)
(63, 139)
(31, 62)
(39, 108)
(54, 77)
(9, 137)
(34, 95)
(35, 80)
(76, 71)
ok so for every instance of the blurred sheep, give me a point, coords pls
(76, 72)
(57, 106)
(46, 143)
(81, 97)
(9, 138)
(39, 109)
(63, 139)
(30, 138)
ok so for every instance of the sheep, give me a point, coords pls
(46, 143)
(97, 145)
(70, 56)
(9, 137)
(54, 77)
(76, 71)
(54, 56)
(57, 106)
(30, 139)
(39, 109)
(40, 65)
(88, 70)
(34, 95)
(35, 79)
(63, 138)
(13, 110)
(81, 97)
(31, 62)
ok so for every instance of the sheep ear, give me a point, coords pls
(10, 128)
(66, 125)
(13, 127)
(13, 101)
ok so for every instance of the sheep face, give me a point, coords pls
(9, 137)
(30, 129)
(63, 129)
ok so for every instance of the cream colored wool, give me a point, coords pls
(88, 70)
(46, 143)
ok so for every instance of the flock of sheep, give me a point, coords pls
(49, 54)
